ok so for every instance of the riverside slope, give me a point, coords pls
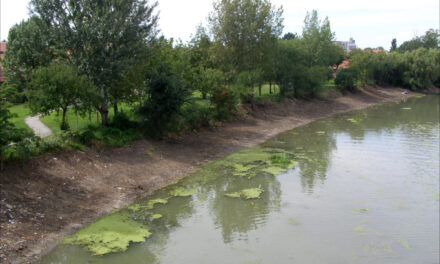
(56, 194)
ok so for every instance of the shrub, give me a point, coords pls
(225, 102)
(346, 80)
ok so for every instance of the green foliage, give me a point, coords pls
(225, 101)
(28, 48)
(431, 40)
(196, 114)
(104, 39)
(393, 45)
(346, 79)
(6, 130)
(318, 42)
(109, 136)
(416, 69)
(280, 160)
(245, 34)
(167, 93)
(59, 87)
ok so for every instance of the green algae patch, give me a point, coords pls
(151, 203)
(253, 193)
(360, 230)
(280, 160)
(247, 194)
(360, 211)
(404, 243)
(182, 192)
(110, 234)
(407, 108)
(293, 222)
(355, 120)
(253, 161)
(274, 170)
(134, 207)
(320, 132)
(156, 216)
(233, 195)
(149, 206)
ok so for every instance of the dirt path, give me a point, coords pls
(56, 194)
(39, 129)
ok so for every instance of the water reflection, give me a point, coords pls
(382, 161)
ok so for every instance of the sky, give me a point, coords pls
(371, 23)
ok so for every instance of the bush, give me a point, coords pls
(122, 121)
(109, 136)
(225, 102)
(196, 114)
(167, 93)
(346, 80)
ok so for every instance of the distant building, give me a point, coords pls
(348, 46)
(2, 55)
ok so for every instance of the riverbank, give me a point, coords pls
(56, 194)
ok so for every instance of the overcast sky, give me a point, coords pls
(371, 23)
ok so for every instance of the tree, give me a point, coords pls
(28, 48)
(6, 130)
(103, 38)
(289, 36)
(393, 45)
(59, 87)
(166, 89)
(431, 40)
(318, 41)
(243, 31)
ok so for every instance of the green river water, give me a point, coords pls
(361, 187)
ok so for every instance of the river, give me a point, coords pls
(361, 187)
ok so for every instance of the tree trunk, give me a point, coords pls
(2, 159)
(270, 87)
(259, 89)
(104, 107)
(104, 117)
(63, 122)
(204, 96)
(115, 108)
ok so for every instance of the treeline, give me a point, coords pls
(413, 65)
(87, 55)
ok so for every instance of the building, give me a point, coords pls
(2, 55)
(348, 46)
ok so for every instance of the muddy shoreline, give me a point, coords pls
(55, 195)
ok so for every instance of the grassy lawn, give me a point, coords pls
(53, 121)
(22, 111)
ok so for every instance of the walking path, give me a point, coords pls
(40, 129)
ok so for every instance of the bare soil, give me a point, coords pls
(56, 194)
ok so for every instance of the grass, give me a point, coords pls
(21, 112)
(53, 121)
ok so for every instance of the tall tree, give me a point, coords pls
(59, 87)
(6, 130)
(28, 48)
(393, 45)
(243, 31)
(103, 38)
(318, 40)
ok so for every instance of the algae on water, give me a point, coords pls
(360, 211)
(110, 234)
(149, 206)
(156, 216)
(247, 194)
(182, 192)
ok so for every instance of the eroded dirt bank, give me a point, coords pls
(56, 194)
